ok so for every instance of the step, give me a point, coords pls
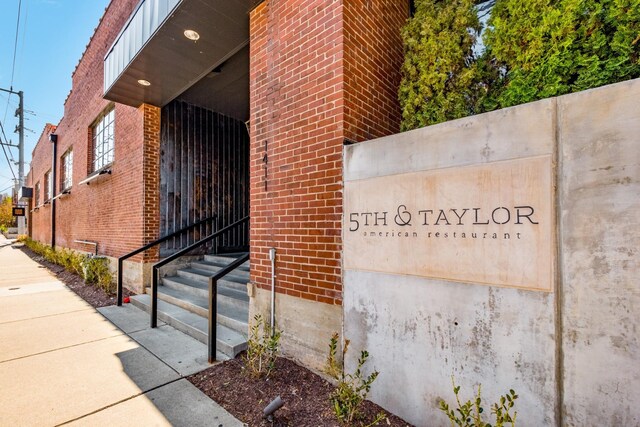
(226, 259)
(231, 316)
(237, 275)
(226, 294)
(240, 287)
(228, 342)
(203, 276)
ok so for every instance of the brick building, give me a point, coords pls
(206, 112)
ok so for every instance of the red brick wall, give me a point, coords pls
(308, 59)
(372, 60)
(40, 163)
(296, 111)
(118, 210)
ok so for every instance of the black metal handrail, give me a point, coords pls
(181, 252)
(149, 246)
(213, 302)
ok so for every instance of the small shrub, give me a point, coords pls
(49, 254)
(334, 366)
(75, 263)
(471, 413)
(262, 348)
(352, 389)
(96, 271)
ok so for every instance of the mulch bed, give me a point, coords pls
(94, 295)
(305, 395)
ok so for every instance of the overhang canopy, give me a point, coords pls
(152, 47)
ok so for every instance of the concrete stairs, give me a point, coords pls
(183, 302)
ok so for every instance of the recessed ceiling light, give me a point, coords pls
(191, 35)
(144, 82)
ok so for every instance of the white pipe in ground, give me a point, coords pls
(272, 257)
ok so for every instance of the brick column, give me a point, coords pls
(151, 178)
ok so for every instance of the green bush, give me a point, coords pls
(472, 414)
(262, 348)
(532, 50)
(94, 270)
(352, 389)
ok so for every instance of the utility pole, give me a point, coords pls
(22, 229)
(20, 112)
(20, 131)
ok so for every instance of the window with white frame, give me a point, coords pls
(103, 138)
(66, 175)
(48, 186)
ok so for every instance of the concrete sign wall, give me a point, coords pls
(539, 295)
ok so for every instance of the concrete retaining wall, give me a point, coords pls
(572, 354)
(306, 326)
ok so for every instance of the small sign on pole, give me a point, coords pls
(18, 211)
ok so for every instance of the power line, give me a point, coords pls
(13, 67)
(5, 152)
(6, 140)
(8, 162)
(15, 45)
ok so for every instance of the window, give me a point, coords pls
(48, 186)
(102, 133)
(66, 175)
(37, 195)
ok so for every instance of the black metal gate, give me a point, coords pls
(204, 171)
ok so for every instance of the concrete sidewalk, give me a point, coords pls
(63, 362)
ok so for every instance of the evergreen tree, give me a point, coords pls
(549, 48)
(441, 79)
(533, 49)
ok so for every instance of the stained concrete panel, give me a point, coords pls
(419, 332)
(306, 326)
(135, 275)
(572, 355)
(511, 133)
(600, 205)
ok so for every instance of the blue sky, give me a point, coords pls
(52, 36)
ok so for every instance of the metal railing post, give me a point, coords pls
(154, 297)
(213, 318)
(213, 302)
(120, 262)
